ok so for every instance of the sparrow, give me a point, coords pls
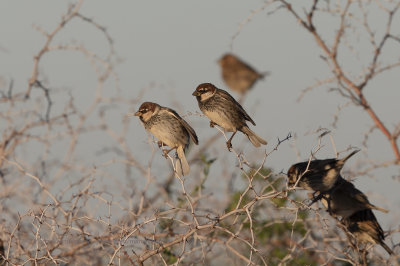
(171, 130)
(366, 229)
(238, 76)
(223, 110)
(317, 175)
(345, 200)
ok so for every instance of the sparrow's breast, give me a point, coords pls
(168, 130)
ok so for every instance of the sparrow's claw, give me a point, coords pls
(229, 145)
(212, 124)
(160, 144)
(315, 199)
(165, 153)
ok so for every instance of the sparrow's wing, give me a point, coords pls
(324, 163)
(248, 71)
(367, 222)
(228, 97)
(358, 196)
(315, 167)
(191, 131)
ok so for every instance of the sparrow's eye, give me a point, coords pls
(202, 90)
(143, 111)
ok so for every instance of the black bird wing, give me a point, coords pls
(320, 167)
(366, 222)
(191, 131)
(315, 167)
(228, 97)
(316, 171)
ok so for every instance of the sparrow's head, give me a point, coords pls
(204, 91)
(147, 110)
(227, 59)
(293, 174)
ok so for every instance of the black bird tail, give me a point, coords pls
(343, 160)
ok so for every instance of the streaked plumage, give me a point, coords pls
(321, 175)
(167, 126)
(238, 76)
(345, 199)
(223, 110)
(366, 229)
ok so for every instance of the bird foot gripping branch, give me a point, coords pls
(171, 130)
(165, 152)
(223, 110)
(229, 145)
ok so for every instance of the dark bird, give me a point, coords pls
(366, 229)
(345, 199)
(317, 175)
(223, 110)
(171, 130)
(238, 76)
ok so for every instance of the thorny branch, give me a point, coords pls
(68, 206)
(331, 53)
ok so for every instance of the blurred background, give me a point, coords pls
(104, 65)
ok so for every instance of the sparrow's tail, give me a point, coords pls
(256, 140)
(386, 248)
(348, 156)
(264, 74)
(377, 208)
(181, 165)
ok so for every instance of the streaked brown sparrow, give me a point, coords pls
(223, 110)
(345, 199)
(366, 229)
(238, 76)
(317, 175)
(171, 130)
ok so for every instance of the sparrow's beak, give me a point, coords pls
(196, 93)
(134, 114)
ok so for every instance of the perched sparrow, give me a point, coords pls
(317, 175)
(238, 76)
(366, 229)
(171, 130)
(345, 199)
(223, 110)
